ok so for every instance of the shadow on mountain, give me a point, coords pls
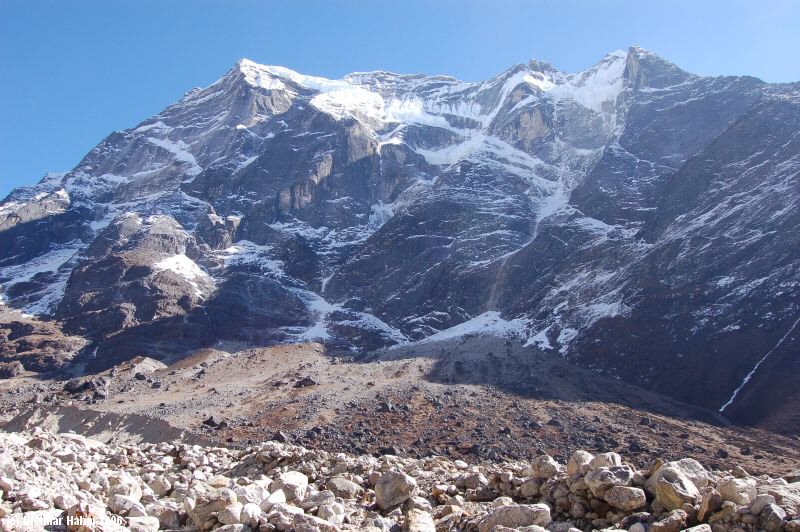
(527, 372)
(246, 310)
(27, 240)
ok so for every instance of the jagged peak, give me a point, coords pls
(646, 69)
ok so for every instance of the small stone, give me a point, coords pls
(602, 479)
(625, 498)
(394, 488)
(579, 463)
(202, 510)
(699, 528)
(674, 521)
(250, 515)
(293, 483)
(545, 466)
(314, 500)
(606, 460)
(276, 497)
(772, 517)
(160, 486)
(122, 505)
(418, 521)
(231, 514)
(344, 488)
(305, 382)
(691, 468)
(310, 523)
(792, 526)
(516, 516)
(760, 502)
(332, 512)
(475, 481)
(143, 524)
(740, 472)
(710, 504)
(11, 369)
(738, 490)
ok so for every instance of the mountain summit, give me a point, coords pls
(640, 220)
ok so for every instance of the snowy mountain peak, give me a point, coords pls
(272, 206)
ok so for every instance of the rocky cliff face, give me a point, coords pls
(638, 219)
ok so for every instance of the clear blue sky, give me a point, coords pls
(73, 71)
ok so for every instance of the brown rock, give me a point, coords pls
(674, 521)
(711, 503)
(674, 489)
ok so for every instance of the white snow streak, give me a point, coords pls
(753, 371)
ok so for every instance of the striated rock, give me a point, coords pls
(160, 486)
(530, 488)
(315, 500)
(251, 493)
(674, 489)
(475, 481)
(333, 513)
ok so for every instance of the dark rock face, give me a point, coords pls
(30, 344)
(639, 219)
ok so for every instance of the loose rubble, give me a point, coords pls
(69, 482)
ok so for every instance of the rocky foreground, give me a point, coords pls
(69, 482)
